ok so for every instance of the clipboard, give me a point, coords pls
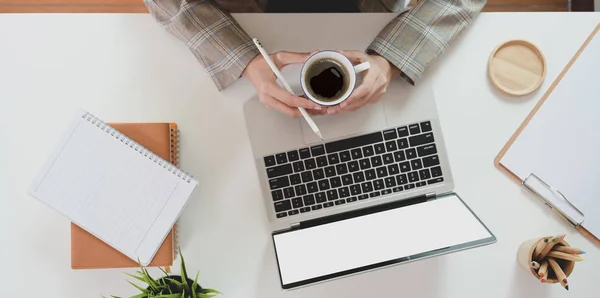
(537, 185)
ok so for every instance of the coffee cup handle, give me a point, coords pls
(362, 67)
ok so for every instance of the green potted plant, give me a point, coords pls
(170, 286)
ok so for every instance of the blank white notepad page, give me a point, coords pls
(118, 194)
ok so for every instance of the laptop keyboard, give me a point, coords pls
(353, 169)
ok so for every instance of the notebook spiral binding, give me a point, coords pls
(171, 167)
(175, 160)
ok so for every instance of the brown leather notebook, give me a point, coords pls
(89, 252)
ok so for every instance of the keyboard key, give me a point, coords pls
(293, 155)
(425, 126)
(335, 182)
(379, 148)
(283, 206)
(312, 187)
(279, 171)
(328, 204)
(297, 202)
(431, 161)
(356, 153)
(347, 179)
(386, 191)
(414, 129)
(316, 207)
(295, 179)
(397, 189)
(317, 150)
(402, 143)
(374, 194)
(401, 179)
(390, 134)
(368, 151)
(364, 164)
(293, 212)
(269, 161)
(358, 177)
(329, 171)
(355, 189)
(352, 199)
(404, 167)
(318, 174)
(281, 158)
(341, 169)
(393, 169)
(413, 177)
(381, 172)
(426, 150)
(422, 183)
(320, 197)
(310, 164)
(436, 171)
(304, 210)
(354, 142)
(304, 153)
(436, 180)
(353, 166)
(421, 139)
(411, 153)
(309, 200)
(390, 182)
(280, 215)
(416, 164)
(376, 161)
(366, 187)
(344, 192)
(345, 156)
(307, 176)
(399, 156)
(409, 186)
(323, 184)
(340, 202)
(388, 158)
(300, 189)
(378, 184)
(333, 158)
(424, 174)
(280, 182)
(321, 161)
(363, 197)
(370, 174)
(288, 192)
(277, 195)
(391, 146)
(332, 195)
(402, 131)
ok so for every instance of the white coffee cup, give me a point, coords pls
(350, 69)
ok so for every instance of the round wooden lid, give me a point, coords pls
(517, 67)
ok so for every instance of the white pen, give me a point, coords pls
(306, 116)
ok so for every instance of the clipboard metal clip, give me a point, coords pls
(549, 203)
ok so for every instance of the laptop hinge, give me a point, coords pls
(430, 196)
(294, 225)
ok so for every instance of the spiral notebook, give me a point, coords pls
(89, 252)
(113, 187)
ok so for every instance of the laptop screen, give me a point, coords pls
(356, 244)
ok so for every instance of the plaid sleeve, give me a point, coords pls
(414, 39)
(213, 36)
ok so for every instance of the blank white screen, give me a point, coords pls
(375, 238)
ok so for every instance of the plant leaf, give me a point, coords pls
(149, 280)
(202, 295)
(137, 277)
(142, 295)
(169, 296)
(138, 287)
(207, 290)
(195, 284)
(184, 274)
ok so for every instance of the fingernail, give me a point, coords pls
(330, 111)
(318, 108)
(343, 105)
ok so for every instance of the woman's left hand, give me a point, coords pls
(374, 85)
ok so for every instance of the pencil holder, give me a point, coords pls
(525, 257)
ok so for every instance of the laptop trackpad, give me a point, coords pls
(377, 239)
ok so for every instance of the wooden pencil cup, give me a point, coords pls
(525, 257)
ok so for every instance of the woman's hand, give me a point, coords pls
(270, 93)
(374, 85)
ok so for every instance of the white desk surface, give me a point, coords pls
(126, 68)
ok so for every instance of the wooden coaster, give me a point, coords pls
(517, 67)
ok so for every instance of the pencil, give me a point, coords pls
(535, 265)
(285, 84)
(559, 273)
(550, 245)
(569, 250)
(564, 256)
(543, 272)
(539, 248)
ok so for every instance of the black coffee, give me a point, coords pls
(327, 80)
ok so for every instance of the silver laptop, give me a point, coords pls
(376, 192)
